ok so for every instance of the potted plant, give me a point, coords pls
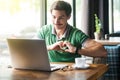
(97, 33)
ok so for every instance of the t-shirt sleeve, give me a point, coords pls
(81, 37)
(41, 32)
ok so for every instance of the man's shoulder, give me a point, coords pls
(47, 27)
(74, 28)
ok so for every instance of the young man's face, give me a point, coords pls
(59, 18)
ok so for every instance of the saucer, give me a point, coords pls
(81, 67)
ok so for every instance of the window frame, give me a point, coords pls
(112, 27)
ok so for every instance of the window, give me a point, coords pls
(22, 18)
(78, 13)
(114, 9)
(18, 18)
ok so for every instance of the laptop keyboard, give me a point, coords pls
(52, 66)
(57, 65)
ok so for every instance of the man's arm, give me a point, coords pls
(90, 48)
(93, 49)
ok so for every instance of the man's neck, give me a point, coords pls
(60, 32)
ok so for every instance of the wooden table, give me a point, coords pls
(94, 72)
(111, 41)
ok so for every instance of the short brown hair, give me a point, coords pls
(61, 5)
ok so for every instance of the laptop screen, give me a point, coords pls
(30, 54)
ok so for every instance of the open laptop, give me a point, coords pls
(30, 54)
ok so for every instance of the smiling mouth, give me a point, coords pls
(58, 24)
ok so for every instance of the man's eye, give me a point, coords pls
(57, 18)
(62, 17)
(53, 17)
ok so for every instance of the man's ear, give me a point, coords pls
(68, 17)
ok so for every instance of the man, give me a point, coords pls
(64, 42)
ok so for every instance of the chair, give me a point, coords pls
(100, 61)
(108, 36)
(116, 34)
(113, 60)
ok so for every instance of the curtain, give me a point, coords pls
(89, 8)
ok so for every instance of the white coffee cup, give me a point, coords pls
(80, 61)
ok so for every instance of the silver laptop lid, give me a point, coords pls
(29, 54)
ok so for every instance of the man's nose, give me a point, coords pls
(56, 20)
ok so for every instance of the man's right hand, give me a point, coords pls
(56, 46)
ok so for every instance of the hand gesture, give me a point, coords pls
(70, 48)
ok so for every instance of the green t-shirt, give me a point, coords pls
(75, 36)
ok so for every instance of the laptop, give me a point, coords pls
(30, 54)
